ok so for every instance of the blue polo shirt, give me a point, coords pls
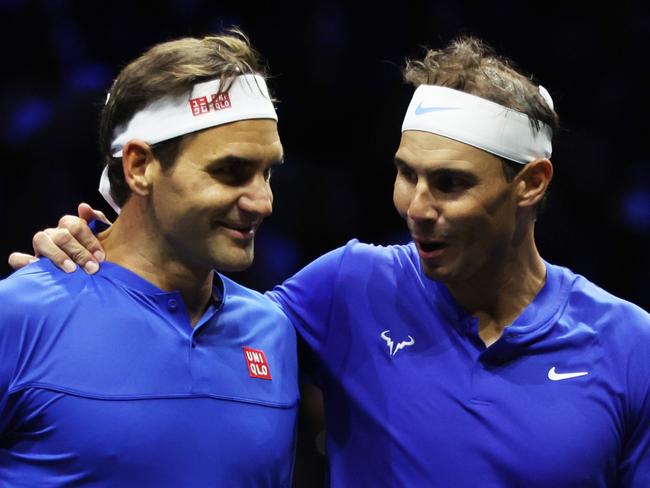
(414, 398)
(103, 382)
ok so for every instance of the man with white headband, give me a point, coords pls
(157, 370)
(463, 358)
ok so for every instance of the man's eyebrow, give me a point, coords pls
(458, 172)
(400, 163)
(241, 161)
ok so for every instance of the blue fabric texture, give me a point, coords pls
(104, 382)
(414, 398)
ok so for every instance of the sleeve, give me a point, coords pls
(308, 296)
(634, 466)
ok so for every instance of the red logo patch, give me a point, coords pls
(218, 101)
(199, 106)
(258, 366)
(221, 100)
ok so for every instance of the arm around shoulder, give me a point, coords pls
(307, 297)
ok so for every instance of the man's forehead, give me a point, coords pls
(243, 129)
(227, 146)
(245, 135)
(423, 148)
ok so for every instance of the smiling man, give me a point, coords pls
(464, 359)
(157, 370)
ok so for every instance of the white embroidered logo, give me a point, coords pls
(391, 344)
(555, 376)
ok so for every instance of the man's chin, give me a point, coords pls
(435, 272)
(239, 260)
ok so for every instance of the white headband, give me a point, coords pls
(478, 122)
(205, 106)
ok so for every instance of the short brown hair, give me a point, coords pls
(170, 68)
(470, 65)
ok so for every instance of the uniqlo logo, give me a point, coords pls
(258, 366)
(220, 101)
(199, 106)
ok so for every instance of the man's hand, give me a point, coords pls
(71, 242)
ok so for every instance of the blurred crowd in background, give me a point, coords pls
(337, 75)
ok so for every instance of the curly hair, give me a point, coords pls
(468, 64)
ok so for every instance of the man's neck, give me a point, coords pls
(132, 243)
(498, 295)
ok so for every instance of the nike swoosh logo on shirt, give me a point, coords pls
(555, 376)
(419, 110)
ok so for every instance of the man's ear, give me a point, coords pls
(137, 160)
(533, 181)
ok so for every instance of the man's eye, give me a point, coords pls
(267, 173)
(222, 170)
(407, 174)
(231, 174)
(450, 184)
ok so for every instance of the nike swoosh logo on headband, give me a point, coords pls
(420, 110)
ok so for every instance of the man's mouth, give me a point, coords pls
(239, 231)
(428, 249)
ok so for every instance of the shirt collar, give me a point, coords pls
(544, 308)
(548, 302)
(135, 282)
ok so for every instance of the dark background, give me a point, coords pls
(337, 76)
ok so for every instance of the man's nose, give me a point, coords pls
(423, 205)
(257, 197)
